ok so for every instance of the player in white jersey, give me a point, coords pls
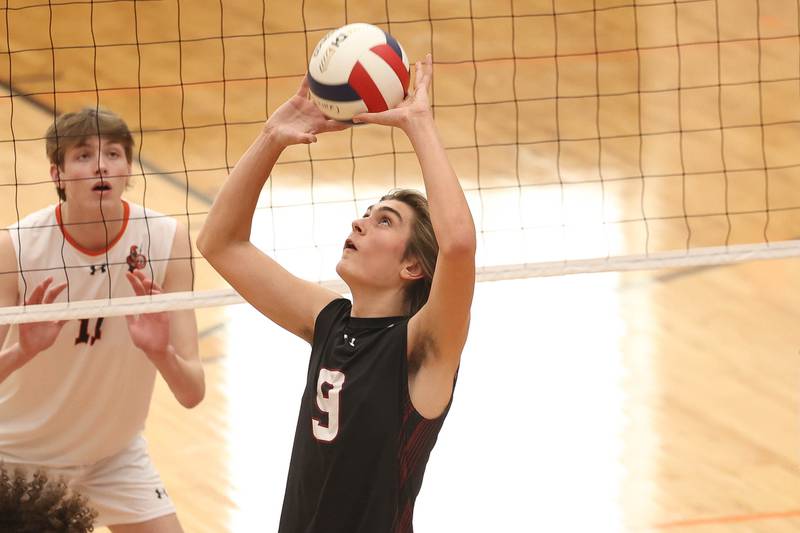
(74, 395)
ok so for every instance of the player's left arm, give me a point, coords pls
(169, 339)
(438, 332)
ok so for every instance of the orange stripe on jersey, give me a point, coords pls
(125, 215)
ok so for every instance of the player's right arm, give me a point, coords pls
(35, 337)
(224, 240)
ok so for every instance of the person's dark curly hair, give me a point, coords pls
(40, 505)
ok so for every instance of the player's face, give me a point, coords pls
(94, 171)
(373, 253)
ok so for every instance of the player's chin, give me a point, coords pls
(342, 270)
(103, 198)
(347, 270)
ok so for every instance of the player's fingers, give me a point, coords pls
(369, 118)
(427, 70)
(152, 288)
(303, 90)
(53, 293)
(136, 283)
(148, 282)
(423, 76)
(336, 125)
(133, 278)
(36, 296)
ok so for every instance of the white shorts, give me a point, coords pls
(124, 488)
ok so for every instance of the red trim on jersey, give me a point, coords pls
(403, 521)
(126, 211)
(387, 53)
(361, 81)
(417, 442)
(414, 442)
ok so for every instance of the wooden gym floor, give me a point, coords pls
(635, 402)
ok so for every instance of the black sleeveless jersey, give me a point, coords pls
(360, 448)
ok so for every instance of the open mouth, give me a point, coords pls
(102, 186)
(348, 245)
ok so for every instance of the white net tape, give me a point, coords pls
(721, 255)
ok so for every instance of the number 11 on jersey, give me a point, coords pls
(84, 337)
(329, 385)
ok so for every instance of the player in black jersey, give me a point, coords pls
(382, 368)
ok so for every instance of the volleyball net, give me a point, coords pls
(627, 135)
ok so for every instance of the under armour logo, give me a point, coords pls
(350, 340)
(161, 493)
(101, 268)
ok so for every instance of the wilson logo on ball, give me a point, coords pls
(355, 69)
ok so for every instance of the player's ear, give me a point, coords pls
(412, 270)
(55, 174)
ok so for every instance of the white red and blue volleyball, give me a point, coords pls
(355, 69)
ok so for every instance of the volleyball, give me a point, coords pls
(357, 68)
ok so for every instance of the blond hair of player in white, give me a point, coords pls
(74, 395)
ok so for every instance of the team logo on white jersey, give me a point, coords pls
(136, 260)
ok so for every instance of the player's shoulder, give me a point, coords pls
(6, 246)
(181, 240)
(45, 216)
(36, 228)
(138, 212)
(337, 309)
(151, 221)
(334, 312)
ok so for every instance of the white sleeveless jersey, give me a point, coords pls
(86, 397)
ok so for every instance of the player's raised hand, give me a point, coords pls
(39, 336)
(149, 332)
(415, 107)
(299, 120)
